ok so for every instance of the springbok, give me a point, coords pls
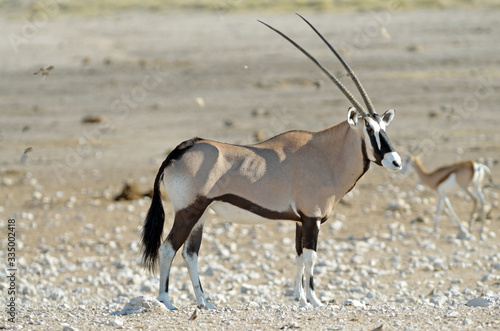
(297, 176)
(467, 176)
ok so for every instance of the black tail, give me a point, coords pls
(153, 224)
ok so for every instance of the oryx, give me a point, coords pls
(297, 176)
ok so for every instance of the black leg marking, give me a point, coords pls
(194, 241)
(185, 220)
(310, 232)
(298, 238)
(199, 282)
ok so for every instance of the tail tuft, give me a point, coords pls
(153, 226)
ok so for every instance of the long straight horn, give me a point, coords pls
(334, 79)
(351, 73)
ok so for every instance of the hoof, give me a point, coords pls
(316, 303)
(169, 306)
(207, 306)
(163, 298)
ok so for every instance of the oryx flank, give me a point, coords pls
(297, 176)
(467, 176)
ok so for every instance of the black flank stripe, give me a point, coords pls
(243, 203)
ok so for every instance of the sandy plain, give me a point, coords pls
(154, 79)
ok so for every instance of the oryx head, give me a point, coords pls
(378, 146)
(370, 124)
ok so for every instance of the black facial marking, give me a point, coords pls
(385, 144)
(369, 128)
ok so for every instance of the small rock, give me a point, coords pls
(91, 119)
(354, 303)
(117, 322)
(415, 48)
(247, 288)
(141, 303)
(480, 302)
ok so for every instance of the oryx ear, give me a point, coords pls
(352, 117)
(388, 116)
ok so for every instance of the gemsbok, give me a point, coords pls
(467, 176)
(297, 176)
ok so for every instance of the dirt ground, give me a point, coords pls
(128, 87)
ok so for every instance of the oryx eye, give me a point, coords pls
(369, 129)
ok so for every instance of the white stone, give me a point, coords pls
(354, 303)
(140, 303)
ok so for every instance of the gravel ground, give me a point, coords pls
(380, 264)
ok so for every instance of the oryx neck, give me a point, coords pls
(344, 147)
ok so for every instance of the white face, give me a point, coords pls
(378, 146)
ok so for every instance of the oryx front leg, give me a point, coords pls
(310, 231)
(299, 260)
(190, 255)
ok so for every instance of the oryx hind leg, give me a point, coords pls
(167, 254)
(190, 255)
(184, 222)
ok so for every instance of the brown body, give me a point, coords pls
(275, 175)
(464, 171)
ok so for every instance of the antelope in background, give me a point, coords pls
(297, 176)
(466, 176)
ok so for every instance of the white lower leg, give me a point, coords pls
(309, 261)
(167, 254)
(299, 288)
(201, 300)
(190, 255)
